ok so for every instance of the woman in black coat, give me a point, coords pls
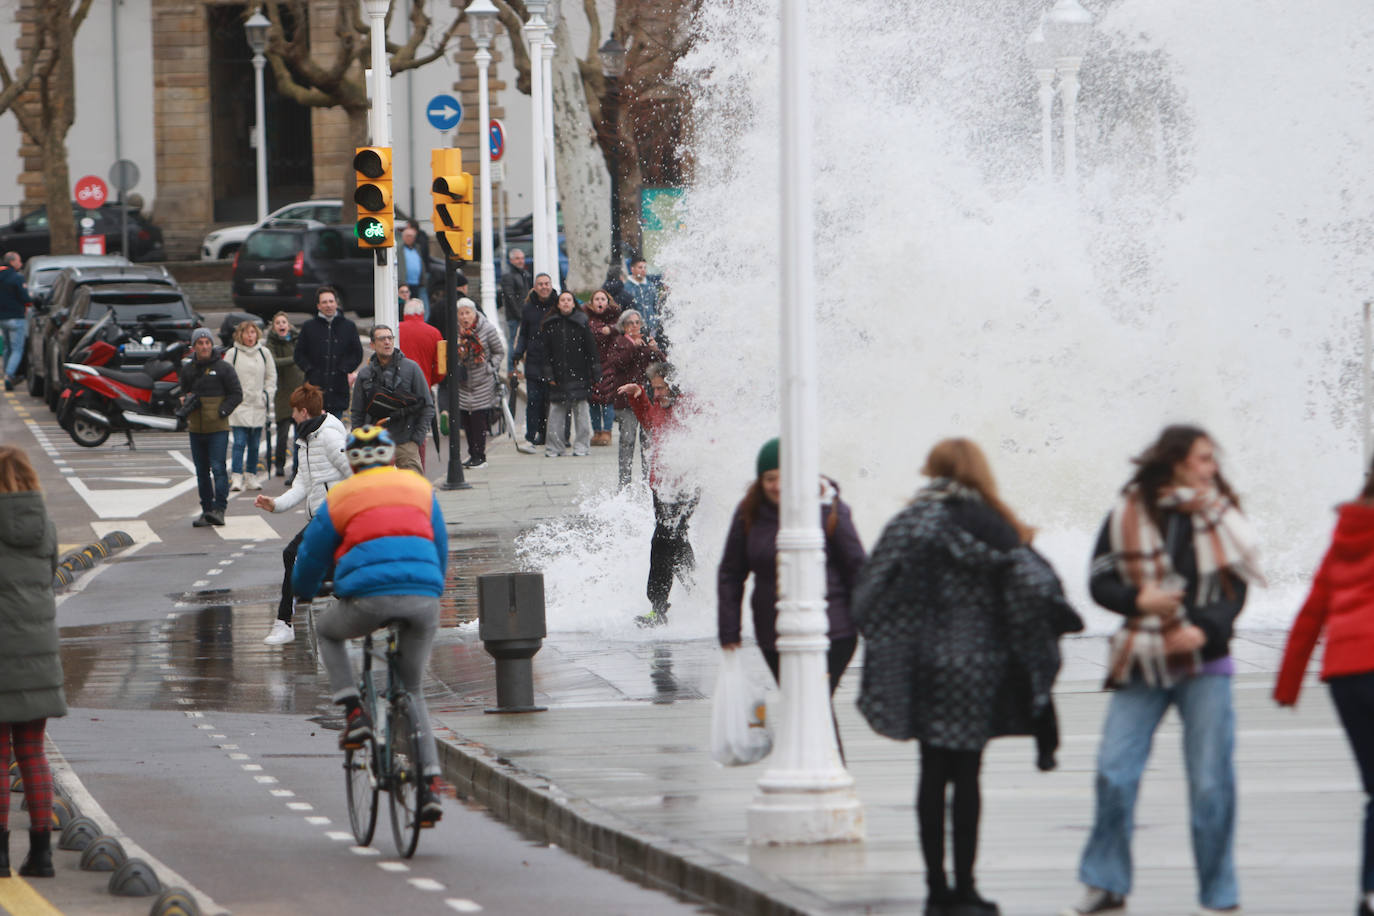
(571, 367)
(30, 666)
(953, 608)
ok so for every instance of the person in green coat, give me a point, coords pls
(30, 666)
(281, 340)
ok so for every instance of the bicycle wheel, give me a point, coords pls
(405, 778)
(311, 631)
(360, 783)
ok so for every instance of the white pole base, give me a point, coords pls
(787, 817)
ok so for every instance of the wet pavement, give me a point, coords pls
(623, 743)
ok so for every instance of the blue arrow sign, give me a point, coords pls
(444, 112)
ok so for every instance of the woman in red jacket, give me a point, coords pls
(1342, 602)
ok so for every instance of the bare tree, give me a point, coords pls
(338, 81)
(47, 67)
(643, 141)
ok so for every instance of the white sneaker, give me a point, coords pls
(253, 481)
(282, 633)
(235, 483)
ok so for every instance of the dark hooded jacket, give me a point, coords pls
(953, 611)
(571, 363)
(528, 345)
(30, 666)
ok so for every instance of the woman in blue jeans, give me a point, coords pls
(1174, 558)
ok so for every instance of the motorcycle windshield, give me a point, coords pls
(94, 331)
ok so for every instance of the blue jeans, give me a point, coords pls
(603, 415)
(246, 439)
(1209, 737)
(207, 453)
(16, 332)
(1353, 695)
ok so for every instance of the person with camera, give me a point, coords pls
(210, 392)
(391, 391)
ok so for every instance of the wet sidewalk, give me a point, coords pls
(617, 769)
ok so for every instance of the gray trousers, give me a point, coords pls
(581, 424)
(630, 432)
(351, 618)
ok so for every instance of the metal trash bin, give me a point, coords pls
(511, 624)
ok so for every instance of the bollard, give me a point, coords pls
(510, 610)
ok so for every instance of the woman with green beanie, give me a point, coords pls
(751, 548)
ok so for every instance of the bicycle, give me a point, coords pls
(389, 761)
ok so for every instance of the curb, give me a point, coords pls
(535, 806)
(73, 563)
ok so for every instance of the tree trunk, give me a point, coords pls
(57, 187)
(359, 131)
(584, 185)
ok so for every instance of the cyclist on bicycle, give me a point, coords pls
(383, 528)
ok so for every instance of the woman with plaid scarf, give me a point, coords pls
(1174, 558)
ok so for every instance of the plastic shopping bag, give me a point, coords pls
(738, 735)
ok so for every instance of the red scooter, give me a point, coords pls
(100, 400)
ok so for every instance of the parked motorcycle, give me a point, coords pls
(99, 400)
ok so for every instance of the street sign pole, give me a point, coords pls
(384, 274)
(455, 480)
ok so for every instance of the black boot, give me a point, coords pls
(4, 853)
(38, 863)
(966, 901)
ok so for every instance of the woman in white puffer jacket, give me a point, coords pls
(321, 438)
(257, 371)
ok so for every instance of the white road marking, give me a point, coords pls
(240, 757)
(425, 884)
(246, 528)
(300, 806)
(393, 866)
(126, 501)
(463, 905)
(200, 583)
(317, 820)
(338, 835)
(139, 530)
(281, 793)
(213, 572)
(226, 562)
(364, 851)
(266, 780)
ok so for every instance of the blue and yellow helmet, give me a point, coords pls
(370, 447)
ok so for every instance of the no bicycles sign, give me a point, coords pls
(91, 192)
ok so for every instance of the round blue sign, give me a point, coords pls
(444, 112)
(497, 134)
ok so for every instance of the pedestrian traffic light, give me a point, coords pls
(375, 227)
(452, 192)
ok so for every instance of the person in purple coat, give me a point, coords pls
(751, 547)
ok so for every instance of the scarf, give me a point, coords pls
(1222, 544)
(941, 488)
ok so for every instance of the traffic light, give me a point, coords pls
(453, 193)
(375, 227)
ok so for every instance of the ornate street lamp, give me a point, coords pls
(806, 796)
(613, 55)
(1042, 61)
(256, 31)
(534, 44)
(483, 29)
(1068, 28)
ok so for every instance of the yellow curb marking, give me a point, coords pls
(18, 899)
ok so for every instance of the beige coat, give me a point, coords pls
(257, 372)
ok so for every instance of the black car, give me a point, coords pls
(280, 267)
(28, 235)
(153, 314)
(46, 317)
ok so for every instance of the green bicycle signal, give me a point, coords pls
(370, 229)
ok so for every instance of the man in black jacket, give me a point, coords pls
(529, 348)
(515, 287)
(328, 351)
(14, 301)
(210, 392)
(402, 380)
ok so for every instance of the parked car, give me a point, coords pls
(40, 272)
(223, 243)
(46, 317)
(153, 313)
(29, 236)
(520, 234)
(280, 267)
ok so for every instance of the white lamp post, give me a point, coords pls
(1067, 29)
(550, 153)
(1042, 60)
(806, 796)
(384, 276)
(483, 16)
(256, 30)
(534, 43)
